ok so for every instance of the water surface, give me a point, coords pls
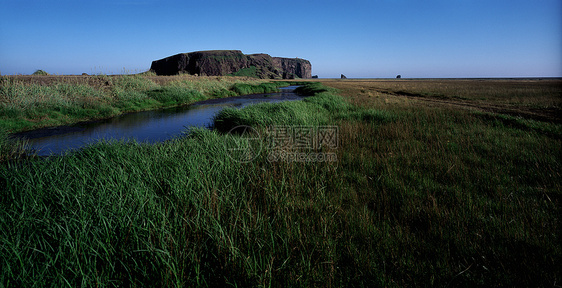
(148, 126)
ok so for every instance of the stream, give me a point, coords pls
(147, 126)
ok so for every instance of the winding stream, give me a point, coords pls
(148, 126)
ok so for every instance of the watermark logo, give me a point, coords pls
(285, 143)
(247, 144)
(303, 143)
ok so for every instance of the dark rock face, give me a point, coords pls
(343, 76)
(293, 67)
(224, 62)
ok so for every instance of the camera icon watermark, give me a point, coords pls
(245, 145)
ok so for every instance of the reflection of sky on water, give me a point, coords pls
(148, 126)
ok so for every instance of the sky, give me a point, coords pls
(361, 39)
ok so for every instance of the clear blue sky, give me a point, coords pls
(376, 38)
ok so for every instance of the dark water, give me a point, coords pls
(149, 126)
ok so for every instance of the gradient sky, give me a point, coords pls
(376, 38)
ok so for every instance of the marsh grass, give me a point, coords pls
(310, 111)
(420, 196)
(12, 149)
(32, 102)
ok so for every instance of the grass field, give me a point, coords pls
(529, 98)
(29, 102)
(443, 183)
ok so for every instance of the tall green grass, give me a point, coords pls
(419, 196)
(306, 112)
(12, 149)
(322, 109)
(118, 221)
(26, 105)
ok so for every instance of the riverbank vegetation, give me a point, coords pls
(28, 102)
(422, 194)
(11, 149)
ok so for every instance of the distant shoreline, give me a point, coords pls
(446, 78)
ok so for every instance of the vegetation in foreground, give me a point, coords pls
(39, 101)
(420, 195)
(10, 148)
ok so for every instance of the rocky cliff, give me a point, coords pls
(233, 62)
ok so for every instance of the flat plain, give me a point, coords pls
(438, 182)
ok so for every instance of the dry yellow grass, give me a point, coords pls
(526, 98)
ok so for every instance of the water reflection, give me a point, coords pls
(149, 126)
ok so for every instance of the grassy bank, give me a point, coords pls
(11, 149)
(39, 101)
(420, 195)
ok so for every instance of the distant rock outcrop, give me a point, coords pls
(343, 76)
(233, 62)
(40, 73)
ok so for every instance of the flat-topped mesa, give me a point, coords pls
(233, 62)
